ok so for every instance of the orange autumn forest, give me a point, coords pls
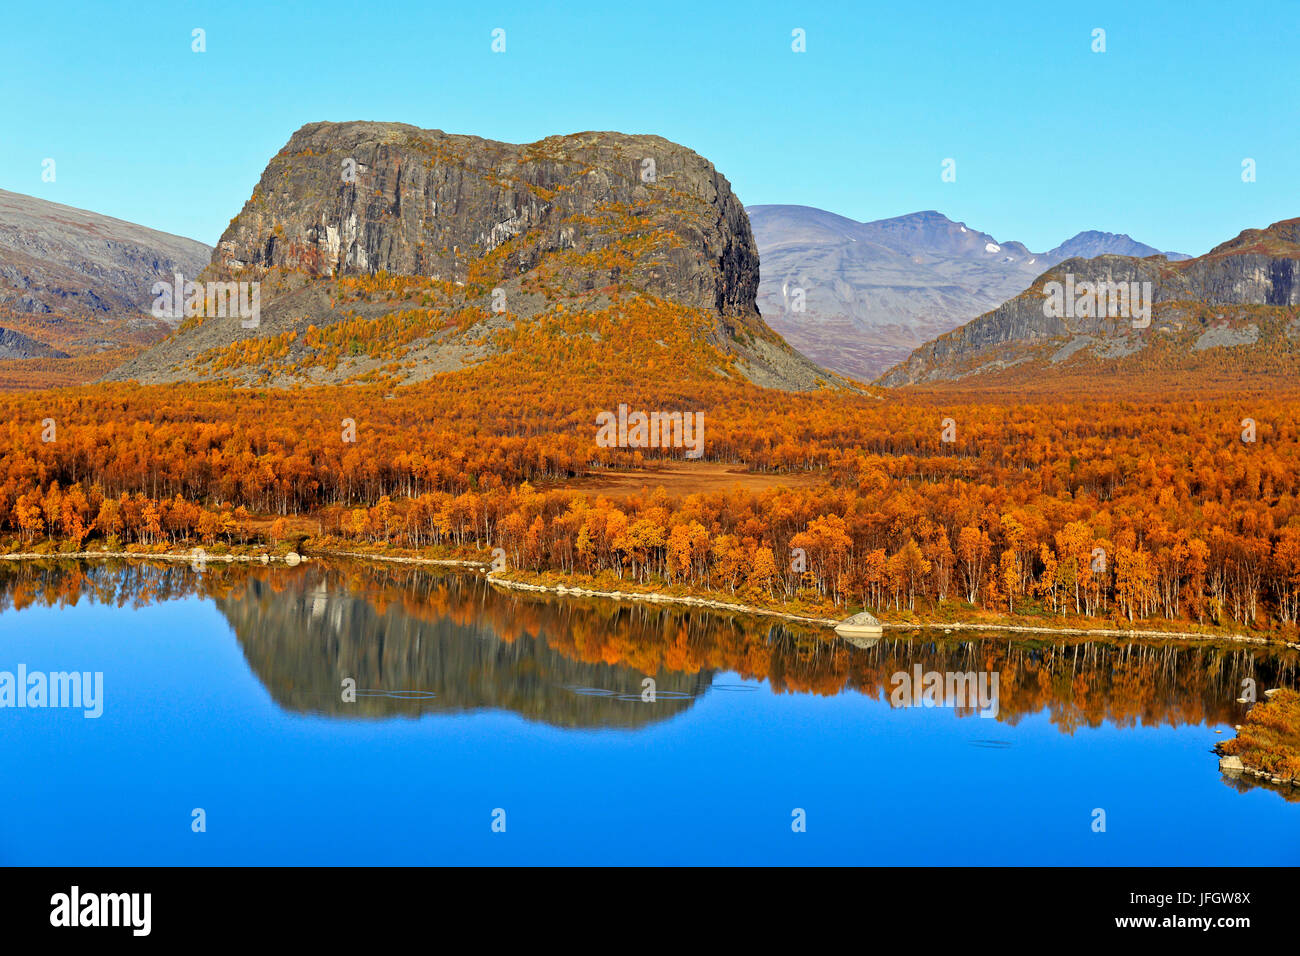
(440, 397)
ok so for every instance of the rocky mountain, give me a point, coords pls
(858, 297)
(1230, 312)
(484, 236)
(75, 283)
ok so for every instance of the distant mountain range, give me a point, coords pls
(873, 291)
(1227, 316)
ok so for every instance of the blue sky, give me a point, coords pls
(1049, 137)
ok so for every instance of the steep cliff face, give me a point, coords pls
(358, 198)
(1241, 294)
(436, 251)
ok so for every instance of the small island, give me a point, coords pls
(1267, 745)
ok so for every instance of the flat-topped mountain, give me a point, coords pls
(429, 203)
(465, 238)
(858, 297)
(1230, 312)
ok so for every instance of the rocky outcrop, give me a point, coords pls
(15, 345)
(359, 198)
(1258, 268)
(1266, 750)
(357, 221)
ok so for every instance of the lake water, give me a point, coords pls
(223, 691)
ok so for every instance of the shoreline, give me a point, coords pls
(654, 597)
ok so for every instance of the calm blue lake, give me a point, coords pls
(223, 690)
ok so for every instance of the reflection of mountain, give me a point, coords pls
(305, 637)
(403, 628)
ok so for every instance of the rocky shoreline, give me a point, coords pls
(1233, 766)
(1266, 735)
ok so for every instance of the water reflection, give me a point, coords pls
(419, 642)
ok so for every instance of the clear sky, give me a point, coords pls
(1049, 138)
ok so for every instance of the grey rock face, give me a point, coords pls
(1222, 337)
(15, 345)
(358, 198)
(574, 221)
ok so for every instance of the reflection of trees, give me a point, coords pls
(405, 627)
(1082, 683)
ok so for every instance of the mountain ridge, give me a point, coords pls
(55, 257)
(874, 291)
(75, 289)
(1242, 294)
